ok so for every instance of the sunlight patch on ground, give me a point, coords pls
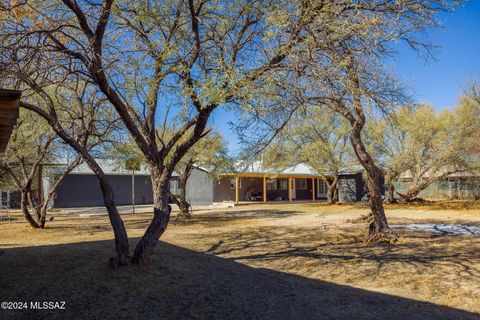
(444, 229)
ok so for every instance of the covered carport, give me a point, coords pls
(269, 187)
(9, 101)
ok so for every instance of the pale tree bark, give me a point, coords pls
(420, 183)
(332, 189)
(389, 180)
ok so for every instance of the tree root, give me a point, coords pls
(374, 236)
(388, 237)
(183, 216)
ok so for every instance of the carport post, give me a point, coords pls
(237, 196)
(265, 189)
(313, 189)
(290, 189)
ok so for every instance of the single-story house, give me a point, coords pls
(300, 182)
(81, 189)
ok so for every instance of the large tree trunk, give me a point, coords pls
(26, 213)
(378, 230)
(161, 216)
(120, 234)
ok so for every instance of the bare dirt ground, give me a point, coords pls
(275, 261)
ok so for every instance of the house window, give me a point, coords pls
(173, 185)
(301, 184)
(232, 183)
(271, 184)
(322, 187)
(282, 184)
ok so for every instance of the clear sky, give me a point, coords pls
(438, 82)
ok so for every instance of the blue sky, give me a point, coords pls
(438, 82)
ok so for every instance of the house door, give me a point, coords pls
(294, 193)
(321, 188)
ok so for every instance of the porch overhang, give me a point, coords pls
(264, 176)
(271, 175)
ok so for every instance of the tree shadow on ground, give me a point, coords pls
(184, 284)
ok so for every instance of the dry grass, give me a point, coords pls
(301, 261)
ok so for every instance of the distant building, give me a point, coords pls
(80, 188)
(461, 185)
(299, 183)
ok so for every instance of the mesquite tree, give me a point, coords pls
(349, 76)
(68, 103)
(340, 65)
(386, 141)
(86, 123)
(209, 153)
(435, 145)
(317, 137)
(32, 145)
(158, 60)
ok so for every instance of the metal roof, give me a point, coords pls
(301, 169)
(109, 167)
(9, 101)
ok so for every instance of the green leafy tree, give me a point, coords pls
(425, 145)
(341, 65)
(316, 137)
(32, 145)
(154, 61)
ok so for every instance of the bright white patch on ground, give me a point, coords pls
(458, 229)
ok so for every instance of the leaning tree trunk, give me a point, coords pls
(183, 204)
(391, 193)
(161, 217)
(24, 203)
(414, 189)
(378, 230)
(331, 191)
(120, 234)
(390, 189)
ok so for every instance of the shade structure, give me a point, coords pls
(9, 101)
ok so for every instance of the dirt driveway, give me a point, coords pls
(299, 261)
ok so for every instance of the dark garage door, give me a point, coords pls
(84, 191)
